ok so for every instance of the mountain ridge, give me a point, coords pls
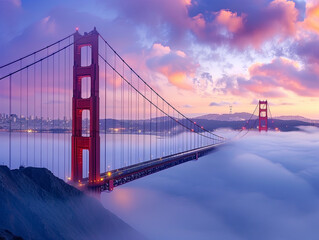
(243, 116)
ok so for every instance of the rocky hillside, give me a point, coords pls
(34, 204)
(227, 117)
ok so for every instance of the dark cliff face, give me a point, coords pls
(7, 235)
(34, 204)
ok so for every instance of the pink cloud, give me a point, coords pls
(267, 79)
(279, 18)
(230, 20)
(311, 21)
(176, 66)
(253, 25)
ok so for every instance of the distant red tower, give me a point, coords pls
(263, 116)
(79, 142)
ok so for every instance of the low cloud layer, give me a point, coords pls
(265, 186)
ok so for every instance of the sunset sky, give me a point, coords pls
(201, 55)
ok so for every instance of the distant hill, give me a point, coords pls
(34, 204)
(227, 117)
(245, 116)
(298, 118)
(282, 125)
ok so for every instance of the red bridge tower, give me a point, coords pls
(79, 142)
(263, 116)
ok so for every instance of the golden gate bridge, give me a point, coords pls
(77, 108)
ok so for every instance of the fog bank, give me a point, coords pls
(264, 186)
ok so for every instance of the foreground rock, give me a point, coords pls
(34, 204)
(7, 235)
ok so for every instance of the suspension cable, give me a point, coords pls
(128, 82)
(40, 50)
(152, 88)
(31, 64)
(245, 127)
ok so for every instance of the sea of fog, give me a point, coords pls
(263, 186)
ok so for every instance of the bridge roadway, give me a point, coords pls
(117, 177)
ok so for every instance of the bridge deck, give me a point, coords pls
(120, 176)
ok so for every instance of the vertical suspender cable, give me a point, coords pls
(138, 122)
(20, 106)
(64, 117)
(27, 116)
(10, 118)
(175, 132)
(41, 114)
(165, 130)
(156, 139)
(144, 117)
(131, 120)
(34, 112)
(135, 128)
(168, 131)
(122, 119)
(114, 113)
(128, 124)
(70, 104)
(151, 127)
(58, 113)
(47, 112)
(161, 133)
(105, 108)
(52, 132)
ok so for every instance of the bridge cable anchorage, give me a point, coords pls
(150, 86)
(150, 102)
